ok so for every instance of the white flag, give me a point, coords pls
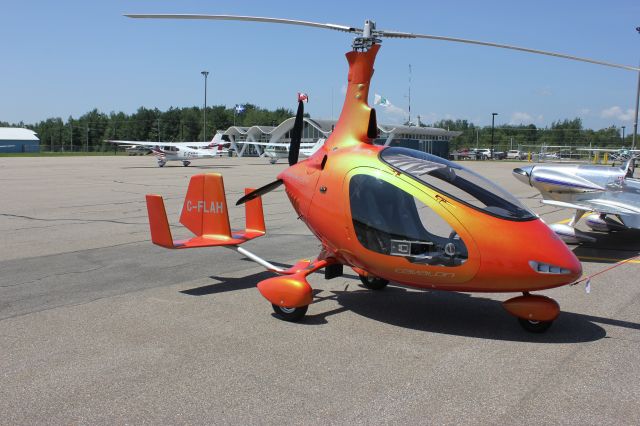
(379, 100)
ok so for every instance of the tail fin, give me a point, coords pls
(254, 215)
(628, 167)
(204, 213)
(160, 231)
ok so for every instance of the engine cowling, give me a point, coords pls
(571, 235)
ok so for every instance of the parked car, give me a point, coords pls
(515, 154)
(482, 153)
(499, 155)
(463, 154)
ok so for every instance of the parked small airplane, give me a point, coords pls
(279, 150)
(609, 192)
(181, 151)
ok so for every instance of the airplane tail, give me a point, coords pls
(629, 167)
(205, 213)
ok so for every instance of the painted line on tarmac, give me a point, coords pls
(607, 259)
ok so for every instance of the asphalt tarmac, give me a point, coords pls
(97, 325)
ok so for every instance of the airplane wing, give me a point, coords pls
(136, 143)
(598, 206)
(598, 149)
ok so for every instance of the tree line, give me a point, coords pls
(560, 133)
(89, 131)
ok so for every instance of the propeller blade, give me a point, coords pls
(395, 34)
(260, 191)
(247, 18)
(296, 135)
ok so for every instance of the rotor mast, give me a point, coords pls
(368, 37)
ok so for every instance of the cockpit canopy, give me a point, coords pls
(457, 182)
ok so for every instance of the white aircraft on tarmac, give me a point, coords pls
(278, 150)
(182, 151)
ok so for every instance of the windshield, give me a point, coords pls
(457, 182)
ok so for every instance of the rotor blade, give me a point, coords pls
(260, 191)
(296, 135)
(247, 18)
(502, 46)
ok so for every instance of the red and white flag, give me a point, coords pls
(303, 97)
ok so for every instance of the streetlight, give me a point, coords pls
(623, 136)
(493, 117)
(635, 123)
(204, 113)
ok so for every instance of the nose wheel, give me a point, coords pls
(290, 314)
(535, 326)
(535, 313)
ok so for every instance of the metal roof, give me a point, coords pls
(326, 126)
(17, 134)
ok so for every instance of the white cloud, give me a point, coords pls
(391, 113)
(617, 113)
(545, 91)
(521, 118)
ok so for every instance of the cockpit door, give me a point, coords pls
(403, 228)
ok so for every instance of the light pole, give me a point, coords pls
(493, 117)
(635, 123)
(204, 113)
(623, 127)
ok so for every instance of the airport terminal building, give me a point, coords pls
(17, 139)
(250, 141)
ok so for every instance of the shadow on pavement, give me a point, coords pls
(442, 312)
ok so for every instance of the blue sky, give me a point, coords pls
(64, 58)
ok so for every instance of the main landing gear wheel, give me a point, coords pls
(186, 163)
(290, 314)
(373, 283)
(535, 326)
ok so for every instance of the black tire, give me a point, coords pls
(290, 314)
(373, 283)
(535, 326)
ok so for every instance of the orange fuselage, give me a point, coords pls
(499, 250)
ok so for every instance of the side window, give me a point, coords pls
(390, 221)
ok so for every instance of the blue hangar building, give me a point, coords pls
(17, 139)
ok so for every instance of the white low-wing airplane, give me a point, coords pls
(278, 150)
(182, 151)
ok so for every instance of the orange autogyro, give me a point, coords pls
(389, 213)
